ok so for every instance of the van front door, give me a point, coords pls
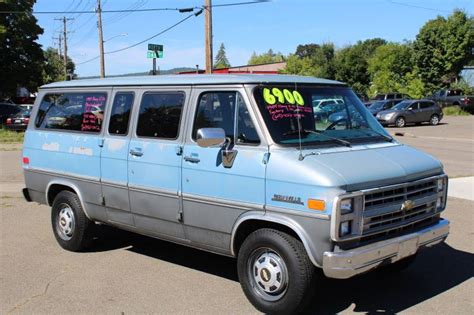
(154, 163)
(214, 194)
(114, 159)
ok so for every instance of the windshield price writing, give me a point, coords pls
(274, 95)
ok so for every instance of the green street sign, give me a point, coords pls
(154, 54)
(155, 47)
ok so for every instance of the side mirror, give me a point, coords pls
(210, 137)
(410, 108)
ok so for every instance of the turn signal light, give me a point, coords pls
(316, 204)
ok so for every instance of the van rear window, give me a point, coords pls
(72, 111)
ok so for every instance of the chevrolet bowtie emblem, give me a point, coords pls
(407, 205)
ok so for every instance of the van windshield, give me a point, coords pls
(316, 114)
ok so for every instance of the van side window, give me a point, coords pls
(72, 111)
(246, 132)
(120, 116)
(160, 114)
(218, 110)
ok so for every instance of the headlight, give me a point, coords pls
(346, 206)
(440, 184)
(347, 217)
(345, 228)
(389, 115)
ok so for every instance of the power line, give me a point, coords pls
(416, 6)
(130, 10)
(146, 39)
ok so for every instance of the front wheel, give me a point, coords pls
(400, 122)
(72, 229)
(275, 272)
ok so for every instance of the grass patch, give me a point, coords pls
(8, 136)
(455, 111)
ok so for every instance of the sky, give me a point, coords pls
(279, 24)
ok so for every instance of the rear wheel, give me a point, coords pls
(400, 122)
(434, 120)
(72, 229)
(275, 272)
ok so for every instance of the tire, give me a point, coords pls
(434, 120)
(400, 122)
(72, 229)
(400, 265)
(275, 272)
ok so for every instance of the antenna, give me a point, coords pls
(301, 157)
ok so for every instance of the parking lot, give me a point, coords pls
(125, 273)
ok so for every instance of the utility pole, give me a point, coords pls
(65, 32)
(101, 40)
(59, 39)
(208, 7)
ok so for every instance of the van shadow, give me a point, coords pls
(435, 271)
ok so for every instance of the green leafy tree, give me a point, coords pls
(21, 58)
(312, 60)
(268, 57)
(443, 47)
(53, 69)
(221, 58)
(351, 63)
(388, 67)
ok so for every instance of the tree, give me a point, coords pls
(53, 69)
(312, 60)
(21, 58)
(443, 47)
(351, 63)
(221, 59)
(388, 66)
(268, 57)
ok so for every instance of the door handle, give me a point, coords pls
(191, 159)
(136, 153)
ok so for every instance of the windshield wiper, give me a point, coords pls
(317, 132)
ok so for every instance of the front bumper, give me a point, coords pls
(346, 264)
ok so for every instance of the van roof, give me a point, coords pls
(191, 79)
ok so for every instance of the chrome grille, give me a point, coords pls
(383, 209)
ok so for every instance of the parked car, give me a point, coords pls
(378, 106)
(26, 106)
(18, 121)
(389, 96)
(452, 97)
(7, 110)
(234, 165)
(322, 109)
(411, 111)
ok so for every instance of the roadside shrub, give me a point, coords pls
(7, 136)
(455, 111)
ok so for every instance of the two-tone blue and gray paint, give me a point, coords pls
(178, 191)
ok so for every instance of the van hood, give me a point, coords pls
(359, 167)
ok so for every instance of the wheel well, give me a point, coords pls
(55, 189)
(249, 226)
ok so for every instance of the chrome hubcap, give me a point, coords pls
(65, 223)
(434, 120)
(268, 274)
(400, 123)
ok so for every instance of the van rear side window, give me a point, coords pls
(72, 111)
(119, 119)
